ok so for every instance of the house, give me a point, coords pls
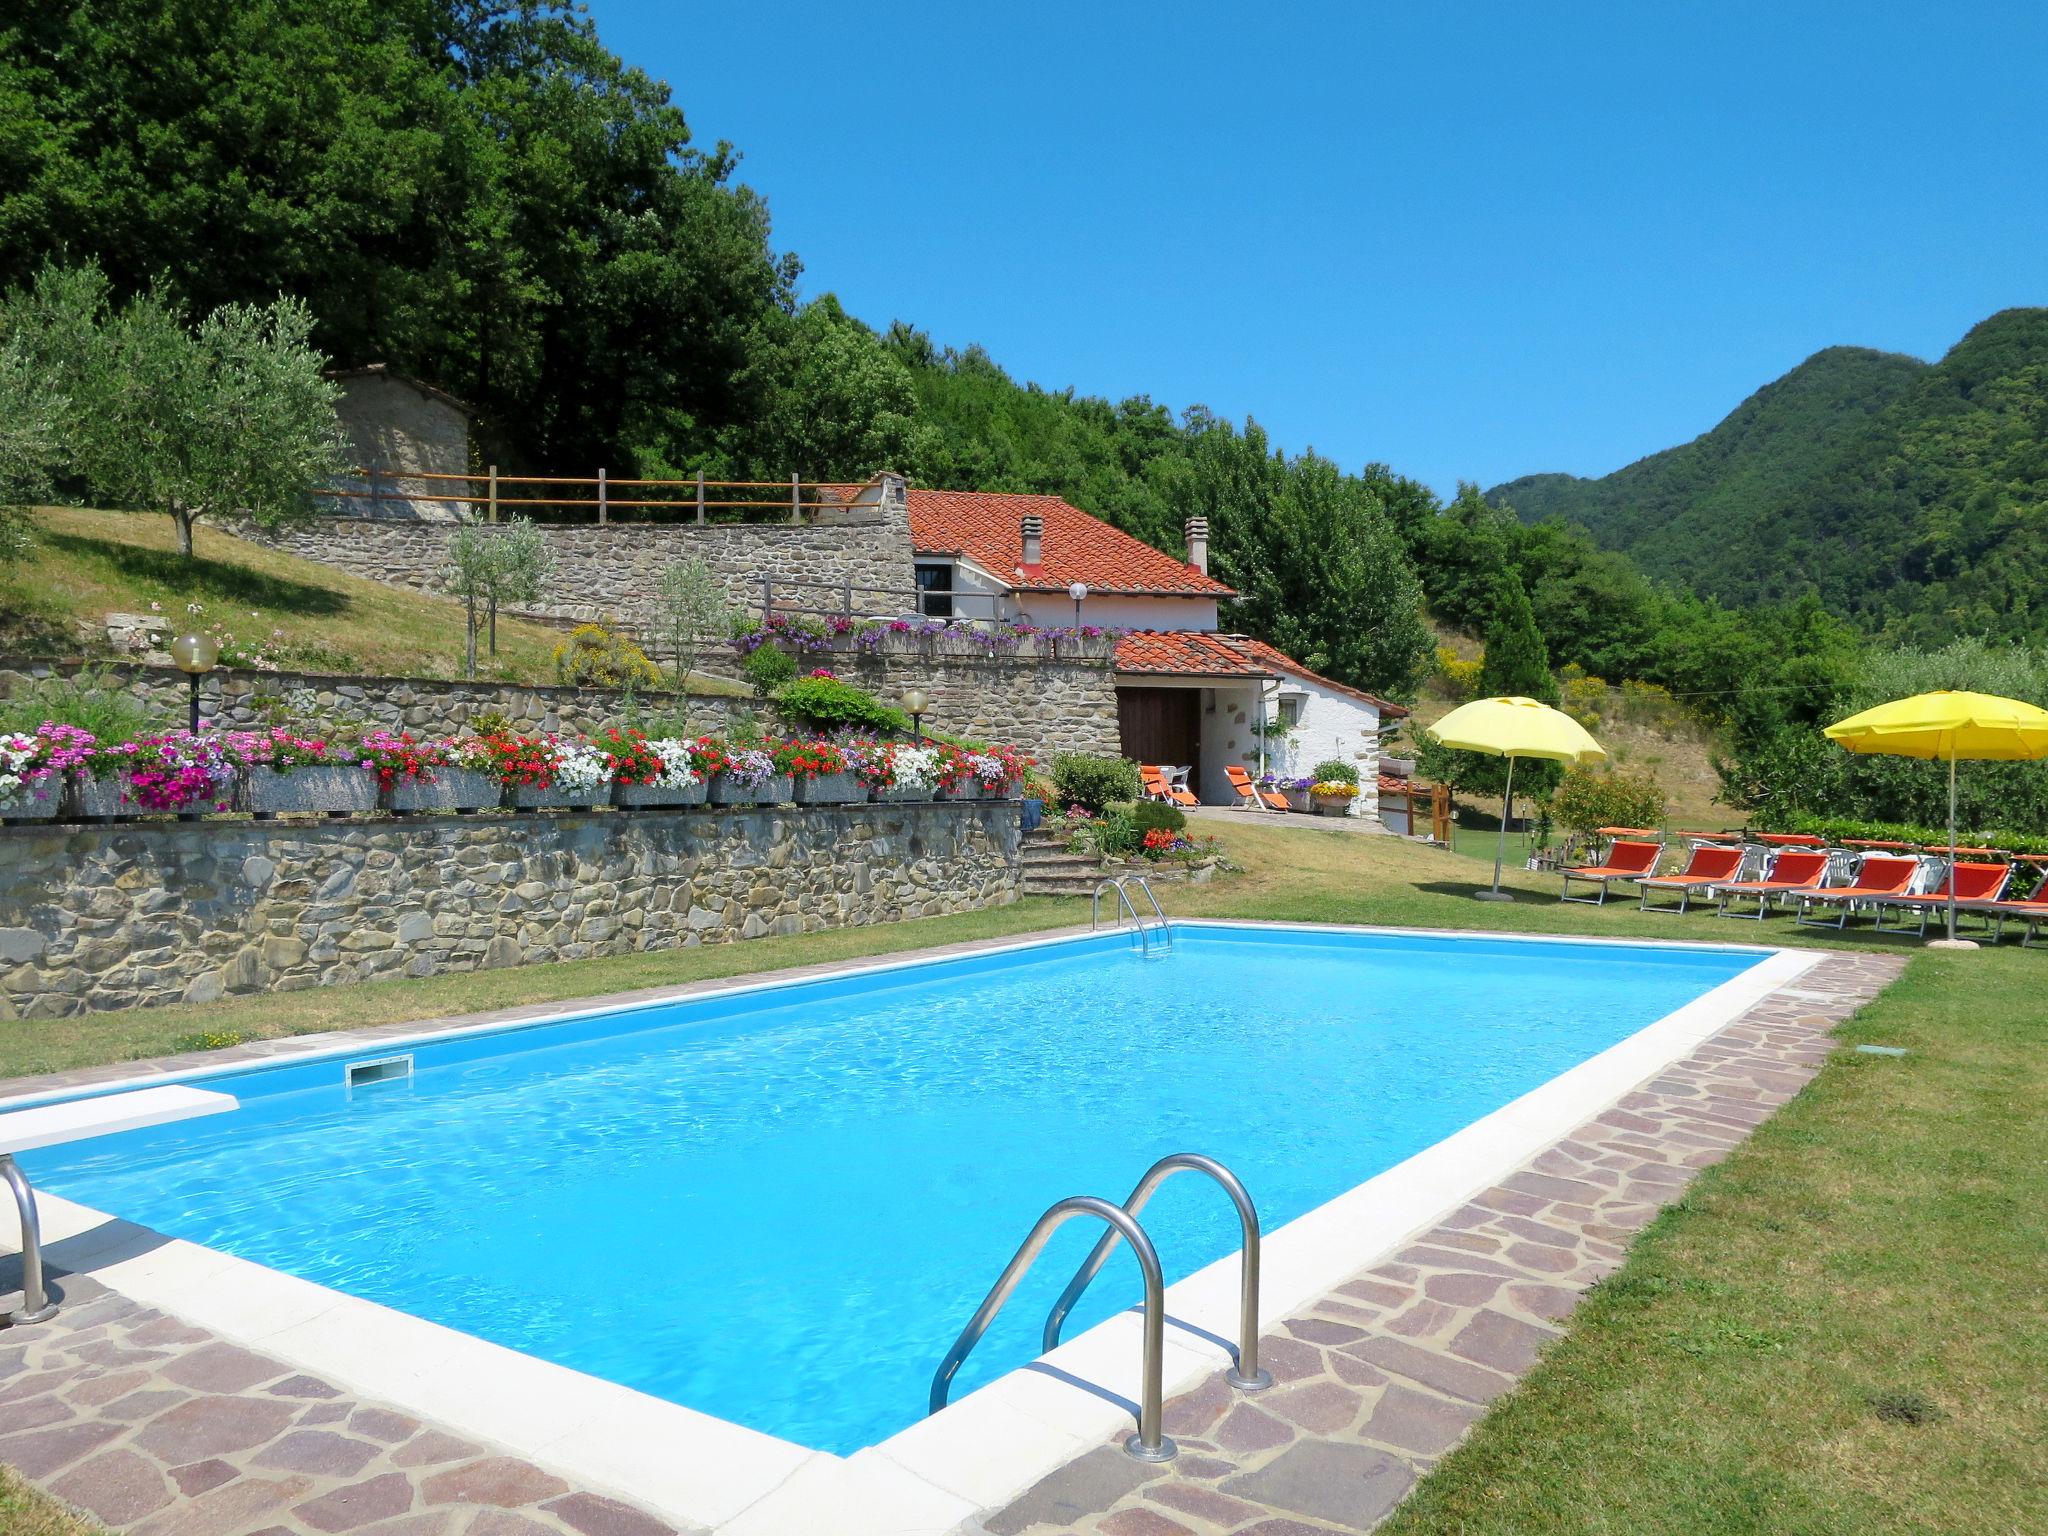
(1188, 694)
(400, 429)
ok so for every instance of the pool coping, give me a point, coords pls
(973, 1456)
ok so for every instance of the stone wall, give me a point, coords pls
(426, 706)
(1046, 707)
(395, 425)
(612, 570)
(142, 913)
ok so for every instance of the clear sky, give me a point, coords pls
(1472, 240)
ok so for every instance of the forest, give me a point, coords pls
(479, 193)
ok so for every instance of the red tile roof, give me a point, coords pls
(1201, 653)
(986, 527)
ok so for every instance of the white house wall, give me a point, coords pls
(1333, 725)
(1054, 612)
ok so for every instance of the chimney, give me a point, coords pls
(1034, 537)
(1198, 543)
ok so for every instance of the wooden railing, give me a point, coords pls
(597, 496)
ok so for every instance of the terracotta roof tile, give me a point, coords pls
(985, 526)
(1201, 653)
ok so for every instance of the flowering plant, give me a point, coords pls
(1333, 789)
(276, 749)
(547, 762)
(750, 767)
(662, 763)
(1297, 783)
(24, 772)
(399, 757)
(1159, 842)
(808, 759)
(869, 761)
(916, 767)
(178, 770)
(580, 768)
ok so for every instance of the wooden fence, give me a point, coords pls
(573, 497)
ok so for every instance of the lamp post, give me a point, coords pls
(915, 703)
(195, 655)
(1077, 591)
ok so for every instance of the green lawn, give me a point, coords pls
(1842, 1329)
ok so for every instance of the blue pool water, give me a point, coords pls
(779, 1206)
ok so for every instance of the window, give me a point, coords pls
(1290, 709)
(935, 589)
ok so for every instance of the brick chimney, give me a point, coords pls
(1198, 543)
(1034, 538)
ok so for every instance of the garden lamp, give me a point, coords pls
(915, 703)
(1077, 591)
(195, 655)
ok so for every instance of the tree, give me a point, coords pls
(693, 608)
(29, 413)
(490, 564)
(468, 576)
(1517, 663)
(232, 417)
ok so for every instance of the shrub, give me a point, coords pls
(1156, 815)
(1336, 771)
(1095, 783)
(595, 656)
(768, 668)
(827, 702)
(94, 701)
(1587, 798)
(1458, 678)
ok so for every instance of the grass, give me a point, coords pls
(86, 564)
(1841, 1329)
(25, 1511)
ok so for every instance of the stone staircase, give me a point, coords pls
(1049, 870)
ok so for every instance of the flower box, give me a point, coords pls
(777, 789)
(336, 790)
(1332, 805)
(903, 792)
(461, 790)
(1297, 799)
(39, 801)
(535, 797)
(646, 796)
(101, 799)
(830, 789)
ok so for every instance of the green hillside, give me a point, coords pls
(1912, 496)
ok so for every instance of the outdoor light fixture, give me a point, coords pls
(915, 703)
(195, 656)
(1077, 591)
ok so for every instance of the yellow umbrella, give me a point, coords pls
(1512, 728)
(1951, 724)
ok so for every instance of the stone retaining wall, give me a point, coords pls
(1045, 707)
(141, 913)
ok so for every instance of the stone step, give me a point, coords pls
(1057, 886)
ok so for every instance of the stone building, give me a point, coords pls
(398, 429)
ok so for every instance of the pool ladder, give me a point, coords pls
(1149, 1443)
(1144, 927)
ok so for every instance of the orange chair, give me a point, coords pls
(1878, 877)
(1156, 787)
(1975, 885)
(1710, 864)
(1626, 860)
(1249, 795)
(1793, 871)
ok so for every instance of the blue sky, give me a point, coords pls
(1474, 243)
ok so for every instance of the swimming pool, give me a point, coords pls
(778, 1205)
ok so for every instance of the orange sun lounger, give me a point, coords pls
(1710, 864)
(1626, 860)
(1793, 872)
(2033, 912)
(1879, 877)
(1975, 884)
(1249, 795)
(1156, 788)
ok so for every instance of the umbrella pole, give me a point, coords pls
(1951, 843)
(1500, 844)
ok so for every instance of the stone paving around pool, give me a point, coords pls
(1379, 1379)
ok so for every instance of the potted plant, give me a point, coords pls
(31, 777)
(281, 771)
(540, 771)
(171, 771)
(750, 777)
(913, 773)
(430, 775)
(1332, 797)
(661, 772)
(1295, 787)
(821, 773)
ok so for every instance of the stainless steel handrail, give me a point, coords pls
(1144, 884)
(1121, 885)
(36, 1306)
(1112, 883)
(1149, 1443)
(1246, 1375)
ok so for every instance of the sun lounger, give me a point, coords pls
(1249, 796)
(1878, 877)
(1710, 864)
(1793, 871)
(1974, 884)
(2033, 912)
(1626, 860)
(1157, 788)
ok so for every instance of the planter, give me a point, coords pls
(649, 796)
(1297, 800)
(38, 804)
(830, 789)
(725, 790)
(336, 791)
(101, 799)
(461, 790)
(529, 797)
(902, 792)
(1331, 805)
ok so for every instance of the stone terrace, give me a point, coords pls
(1375, 1382)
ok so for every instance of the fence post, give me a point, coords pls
(767, 597)
(600, 499)
(700, 495)
(494, 493)
(796, 500)
(376, 493)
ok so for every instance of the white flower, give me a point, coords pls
(987, 767)
(917, 767)
(677, 771)
(581, 769)
(195, 608)
(16, 753)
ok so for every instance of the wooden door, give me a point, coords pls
(1162, 725)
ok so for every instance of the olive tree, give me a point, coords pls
(693, 607)
(493, 564)
(29, 413)
(230, 417)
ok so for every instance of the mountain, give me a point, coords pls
(1911, 496)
